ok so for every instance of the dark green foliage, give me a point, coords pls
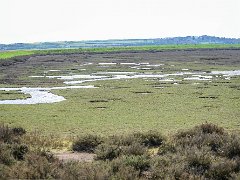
(86, 143)
(19, 150)
(10, 135)
(18, 131)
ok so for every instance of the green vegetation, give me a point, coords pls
(206, 151)
(121, 106)
(9, 54)
(140, 48)
(11, 95)
(116, 108)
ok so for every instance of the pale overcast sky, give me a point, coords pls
(61, 20)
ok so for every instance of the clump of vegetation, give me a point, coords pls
(204, 152)
(134, 144)
(86, 143)
(151, 138)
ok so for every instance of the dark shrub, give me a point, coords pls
(35, 167)
(166, 148)
(209, 128)
(206, 128)
(168, 166)
(19, 151)
(6, 134)
(134, 149)
(86, 143)
(202, 136)
(123, 140)
(6, 156)
(140, 163)
(107, 152)
(185, 134)
(4, 171)
(83, 171)
(198, 161)
(222, 170)
(10, 135)
(125, 172)
(120, 170)
(231, 148)
(119, 145)
(18, 131)
(150, 139)
(47, 154)
(214, 141)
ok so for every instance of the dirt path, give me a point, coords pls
(70, 156)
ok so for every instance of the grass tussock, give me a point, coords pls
(205, 152)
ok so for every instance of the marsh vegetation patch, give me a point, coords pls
(174, 101)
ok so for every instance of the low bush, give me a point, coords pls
(113, 149)
(18, 131)
(134, 149)
(150, 138)
(198, 161)
(222, 170)
(231, 148)
(35, 167)
(86, 143)
(204, 152)
(6, 156)
(19, 150)
(107, 152)
(166, 148)
(209, 128)
(10, 135)
(140, 163)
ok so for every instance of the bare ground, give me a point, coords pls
(70, 156)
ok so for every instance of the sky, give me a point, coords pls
(28, 21)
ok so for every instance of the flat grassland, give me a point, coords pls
(124, 105)
(14, 53)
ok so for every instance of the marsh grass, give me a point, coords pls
(114, 107)
(180, 109)
(12, 95)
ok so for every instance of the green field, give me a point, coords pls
(10, 54)
(120, 110)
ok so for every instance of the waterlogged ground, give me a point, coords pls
(108, 93)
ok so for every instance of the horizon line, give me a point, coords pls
(112, 39)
